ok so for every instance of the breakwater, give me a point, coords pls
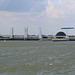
(35, 38)
(18, 39)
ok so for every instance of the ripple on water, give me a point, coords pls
(37, 58)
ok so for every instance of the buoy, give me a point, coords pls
(4, 40)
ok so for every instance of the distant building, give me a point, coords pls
(60, 35)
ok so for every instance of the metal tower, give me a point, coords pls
(26, 33)
(40, 33)
(12, 33)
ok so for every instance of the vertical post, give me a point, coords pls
(67, 34)
(40, 33)
(12, 33)
(26, 33)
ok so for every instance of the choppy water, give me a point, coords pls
(37, 58)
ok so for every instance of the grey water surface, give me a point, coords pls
(37, 58)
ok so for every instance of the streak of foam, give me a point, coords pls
(65, 54)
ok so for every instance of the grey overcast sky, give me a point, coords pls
(50, 15)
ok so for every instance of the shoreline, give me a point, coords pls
(36, 39)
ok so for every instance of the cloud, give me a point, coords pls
(59, 9)
(52, 17)
(16, 16)
(17, 20)
(58, 14)
(23, 5)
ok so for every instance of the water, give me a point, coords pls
(37, 58)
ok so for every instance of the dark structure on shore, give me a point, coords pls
(60, 35)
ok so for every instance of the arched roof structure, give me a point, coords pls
(60, 35)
